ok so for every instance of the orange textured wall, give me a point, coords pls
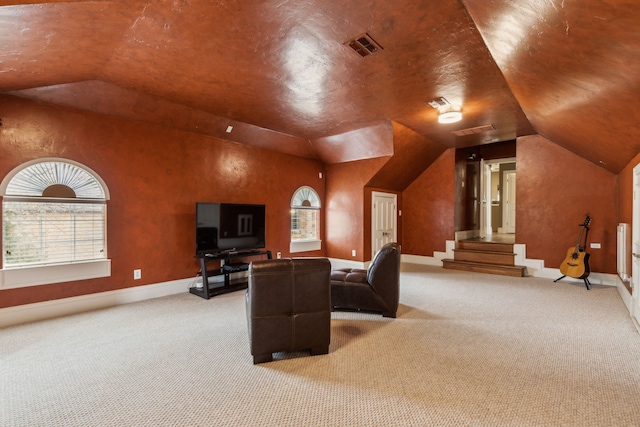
(555, 189)
(428, 208)
(155, 176)
(345, 207)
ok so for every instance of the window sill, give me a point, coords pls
(305, 245)
(21, 277)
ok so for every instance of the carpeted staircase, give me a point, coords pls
(485, 257)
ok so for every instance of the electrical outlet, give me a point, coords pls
(353, 252)
(279, 255)
(137, 274)
(595, 246)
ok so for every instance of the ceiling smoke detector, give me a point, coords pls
(364, 45)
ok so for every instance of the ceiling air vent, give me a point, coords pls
(364, 45)
(472, 131)
(439, 103)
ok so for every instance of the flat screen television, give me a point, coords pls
(229, 227)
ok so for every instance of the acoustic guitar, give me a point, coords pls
(576, 263)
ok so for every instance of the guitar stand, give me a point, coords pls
(586, 281)
(581, 248)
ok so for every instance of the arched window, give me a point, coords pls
(53, 213)
(305, 220)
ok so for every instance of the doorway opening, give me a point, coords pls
(485, 205)
(498, 201)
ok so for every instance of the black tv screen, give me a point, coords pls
(226, 227)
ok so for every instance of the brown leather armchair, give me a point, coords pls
(376, 289)
(288, 304)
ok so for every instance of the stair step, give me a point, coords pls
(480, 245)
(486, 257)
(478, 267)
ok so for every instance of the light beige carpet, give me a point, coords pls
(466, 349)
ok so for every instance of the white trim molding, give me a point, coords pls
(20, 277)
(305, 245)
(67, 306)
(624, 294)
(62, 307)
(346, 263)
(535, 267)
(435, 260)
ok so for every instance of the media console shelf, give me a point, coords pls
(226, 268)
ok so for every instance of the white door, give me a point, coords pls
(485, 198)
(635, 265)
(509, 203)
(383, 220)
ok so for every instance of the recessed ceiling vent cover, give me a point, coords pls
(364, 45)
(439, 103)
(472, 131)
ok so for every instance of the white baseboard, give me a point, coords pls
(604, 279)
(345, 263)
(62, 307)
(535, 267)
(435, 260)
(624, 294)
(49, 309)
(422, 260)
(466, 234)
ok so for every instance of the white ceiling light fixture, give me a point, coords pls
(449, 117)
(448, 113)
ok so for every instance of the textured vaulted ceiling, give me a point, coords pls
(280, 73)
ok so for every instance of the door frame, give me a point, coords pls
(506, 201)
(374, 195)
(485, 178)
(485, 194)
(635, 245)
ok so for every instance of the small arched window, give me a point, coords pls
(305, 220)
(53, 212)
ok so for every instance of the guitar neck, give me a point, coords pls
(585, 227)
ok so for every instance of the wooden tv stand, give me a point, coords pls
(226, 268)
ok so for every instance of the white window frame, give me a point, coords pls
(305, 198)
(34, 275)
